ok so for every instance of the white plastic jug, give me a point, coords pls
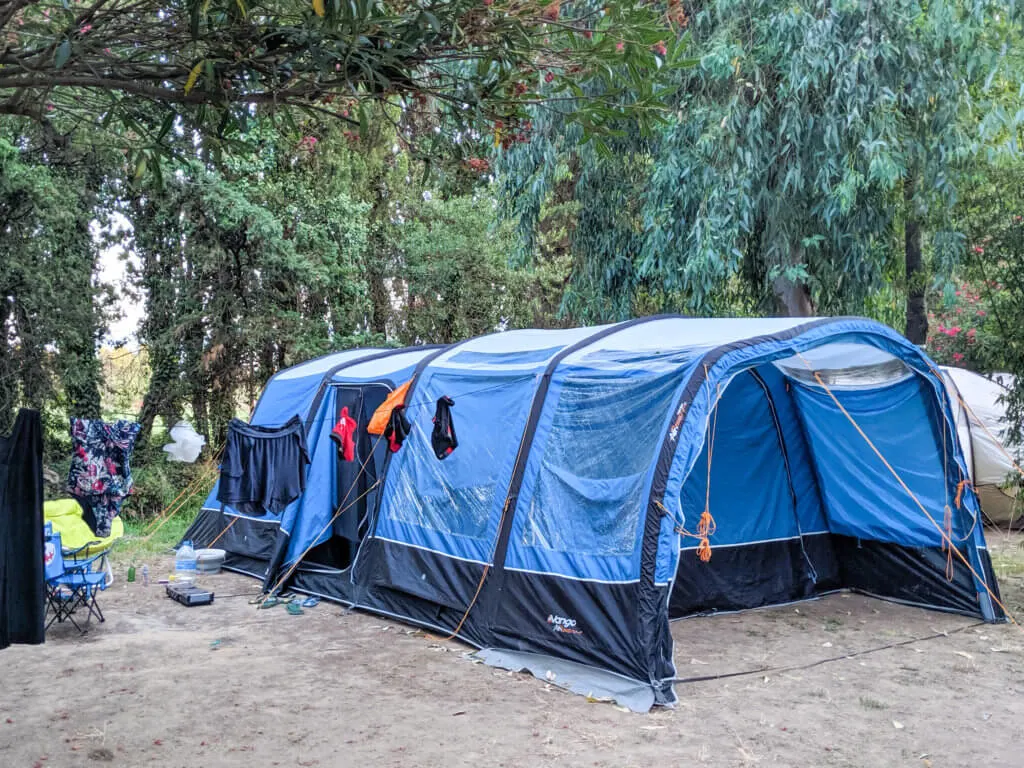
(185, 564)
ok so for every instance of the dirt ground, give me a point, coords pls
(159, 684)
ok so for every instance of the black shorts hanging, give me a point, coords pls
(443, 437)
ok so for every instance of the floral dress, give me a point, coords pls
(100, 476)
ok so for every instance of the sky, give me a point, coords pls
(113, 270)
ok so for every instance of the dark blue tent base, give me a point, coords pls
(736, 578)
(771, 573)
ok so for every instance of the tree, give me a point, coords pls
(454, 280)
(809, 133)
(149, 68)
(242, 278)
(53, 311)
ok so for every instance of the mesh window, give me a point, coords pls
(589, 484)
(457, 496)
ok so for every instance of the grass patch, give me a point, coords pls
(869, 703)
(1008, 562)
(833, 624)
(138, 545)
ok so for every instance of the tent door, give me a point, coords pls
(353, 479)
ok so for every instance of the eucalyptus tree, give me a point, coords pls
(807, 134)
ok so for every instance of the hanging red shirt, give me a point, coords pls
(344, 434)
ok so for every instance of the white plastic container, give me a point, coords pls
(209, 561)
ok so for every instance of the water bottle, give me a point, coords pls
(145, 575)
(185, 564)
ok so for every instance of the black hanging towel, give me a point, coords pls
(22, 582)
(443, 437)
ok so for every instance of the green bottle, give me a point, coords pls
(131, 573)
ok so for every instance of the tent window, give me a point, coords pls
(845, 366)
(457, 496)
(589, 485)
(458, 511)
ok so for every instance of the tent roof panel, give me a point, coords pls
(319, 366)
(384, 367)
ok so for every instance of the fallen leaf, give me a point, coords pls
(897, 725)
(460, 712)
(964, 654)
(826, 644)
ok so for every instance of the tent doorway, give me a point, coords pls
(803, 507)
(353, 483)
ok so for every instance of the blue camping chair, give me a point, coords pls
(71, 582)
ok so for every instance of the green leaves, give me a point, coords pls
(790, 132)
(62, 54)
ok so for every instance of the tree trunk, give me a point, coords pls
(791, 298)
(917, 313)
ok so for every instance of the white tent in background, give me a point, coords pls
(983, 435)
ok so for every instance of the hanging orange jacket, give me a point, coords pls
(379, 420)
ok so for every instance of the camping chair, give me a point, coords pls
(71, 584)
(80, 543)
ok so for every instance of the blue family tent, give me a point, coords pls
(610, 479)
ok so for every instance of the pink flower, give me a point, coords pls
(549, 77)
(620, 46)
(982, 313)
(50, 107)
(957, 357)
(978, 249)
(659, 48)
(972, 333)
(106, 51)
